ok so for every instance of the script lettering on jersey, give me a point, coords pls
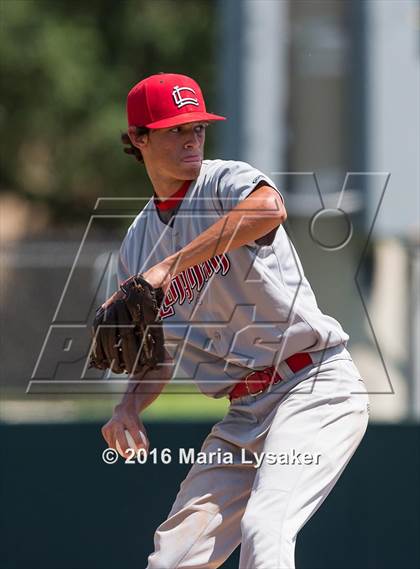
(192, 280)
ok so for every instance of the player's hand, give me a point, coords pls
(125, 417)
(159, 275)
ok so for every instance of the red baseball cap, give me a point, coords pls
(165, 100)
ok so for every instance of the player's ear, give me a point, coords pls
(139, 140)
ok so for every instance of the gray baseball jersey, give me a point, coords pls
(249, 308)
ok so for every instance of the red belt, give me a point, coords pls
(257, 381)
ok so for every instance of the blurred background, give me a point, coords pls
(321, 95)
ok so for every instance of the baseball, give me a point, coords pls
(130, 442)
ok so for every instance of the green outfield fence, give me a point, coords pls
(63, 508)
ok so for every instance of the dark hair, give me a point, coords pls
(129, 147)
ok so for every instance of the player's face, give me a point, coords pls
(176, 152)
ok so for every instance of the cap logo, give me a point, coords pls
(182, 100)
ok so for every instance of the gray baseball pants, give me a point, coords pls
(321, 413)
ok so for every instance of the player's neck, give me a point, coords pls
(164, 188)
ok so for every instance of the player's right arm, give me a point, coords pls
(137, 397)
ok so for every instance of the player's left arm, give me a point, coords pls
(254, 217)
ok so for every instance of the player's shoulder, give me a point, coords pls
(218, 174)
(228, 175)
(218, 167)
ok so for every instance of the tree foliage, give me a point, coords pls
(66, 68)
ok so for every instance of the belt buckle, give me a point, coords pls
(247, 386)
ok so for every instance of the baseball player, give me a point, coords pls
(242, 322)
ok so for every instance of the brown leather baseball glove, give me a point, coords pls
(128, 334)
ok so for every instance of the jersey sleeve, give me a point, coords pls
(123, 268)
(236, 181)
(130, 251)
